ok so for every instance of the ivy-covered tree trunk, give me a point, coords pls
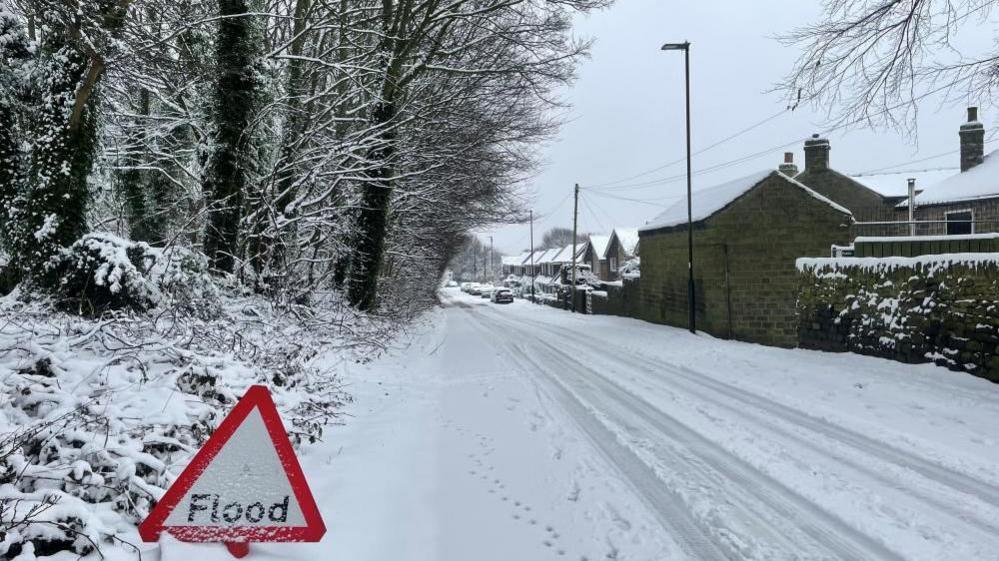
(231, 162)
(49, 210)
(372, 222)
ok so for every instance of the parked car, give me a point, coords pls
(502, 296)
(486, 290)
(475, 289)
(465, 285)
(451, 284)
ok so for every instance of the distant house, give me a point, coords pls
(870, 199)
(514, 264)
(595, 254)
(747, 235)
(532, 262)
(622, 246)
(966, 202)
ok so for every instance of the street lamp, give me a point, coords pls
(685, 47)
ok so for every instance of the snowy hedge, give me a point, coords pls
(941, 308)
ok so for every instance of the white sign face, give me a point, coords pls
(245, 485)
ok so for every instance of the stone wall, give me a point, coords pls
(744, 264)
(613, 300)
(941, 308)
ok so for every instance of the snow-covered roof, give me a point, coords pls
(564, 254)
(707, 202)
(545, 256)
(627, 238)
(512, 260)
(538, 256)
(979, 182)
(896, 184)
(600, 244)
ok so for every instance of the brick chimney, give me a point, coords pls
(788, 168)
(816, 153)
(972, 141)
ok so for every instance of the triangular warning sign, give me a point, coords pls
(244, 485)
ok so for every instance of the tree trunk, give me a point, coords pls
(133, 182)
(230, 164)
(369, 246)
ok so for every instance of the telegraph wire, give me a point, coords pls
(723, 165)
(701, 151)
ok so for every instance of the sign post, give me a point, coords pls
(244, 485)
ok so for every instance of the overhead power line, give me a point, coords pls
(613, 186)
(701, 151)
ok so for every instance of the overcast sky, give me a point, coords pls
(627, 113)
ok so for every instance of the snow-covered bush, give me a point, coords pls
(183, 281)
(100, 272)
(631, 269)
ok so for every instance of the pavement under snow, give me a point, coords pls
(526, 433)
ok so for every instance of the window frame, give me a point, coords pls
(947, 222)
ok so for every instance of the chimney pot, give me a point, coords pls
(972, 136)
(788, 168)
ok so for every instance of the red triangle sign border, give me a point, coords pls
(256, 397)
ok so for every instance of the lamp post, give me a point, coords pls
(685, 47)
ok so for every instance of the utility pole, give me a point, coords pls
(491, 272)
(575, 217)
(532, 255)
(912, 206)
(685, 47)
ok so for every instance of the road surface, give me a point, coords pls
(529, 433)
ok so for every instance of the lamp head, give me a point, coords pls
(676, 46)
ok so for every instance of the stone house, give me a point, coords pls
(873, 199)
(966, 202)
(747, 235)
(595, 255)
(622, 246)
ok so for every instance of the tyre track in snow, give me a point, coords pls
(763, 411)
(667, 506)
(764, 505)
(654, 369)
(753, 491)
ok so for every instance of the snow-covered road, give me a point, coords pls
(525, 433)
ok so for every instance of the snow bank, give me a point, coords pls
(100, 415)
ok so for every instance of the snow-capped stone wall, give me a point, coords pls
(620, 298)
(935, 308)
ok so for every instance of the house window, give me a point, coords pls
(960, 222)
(613, 264)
